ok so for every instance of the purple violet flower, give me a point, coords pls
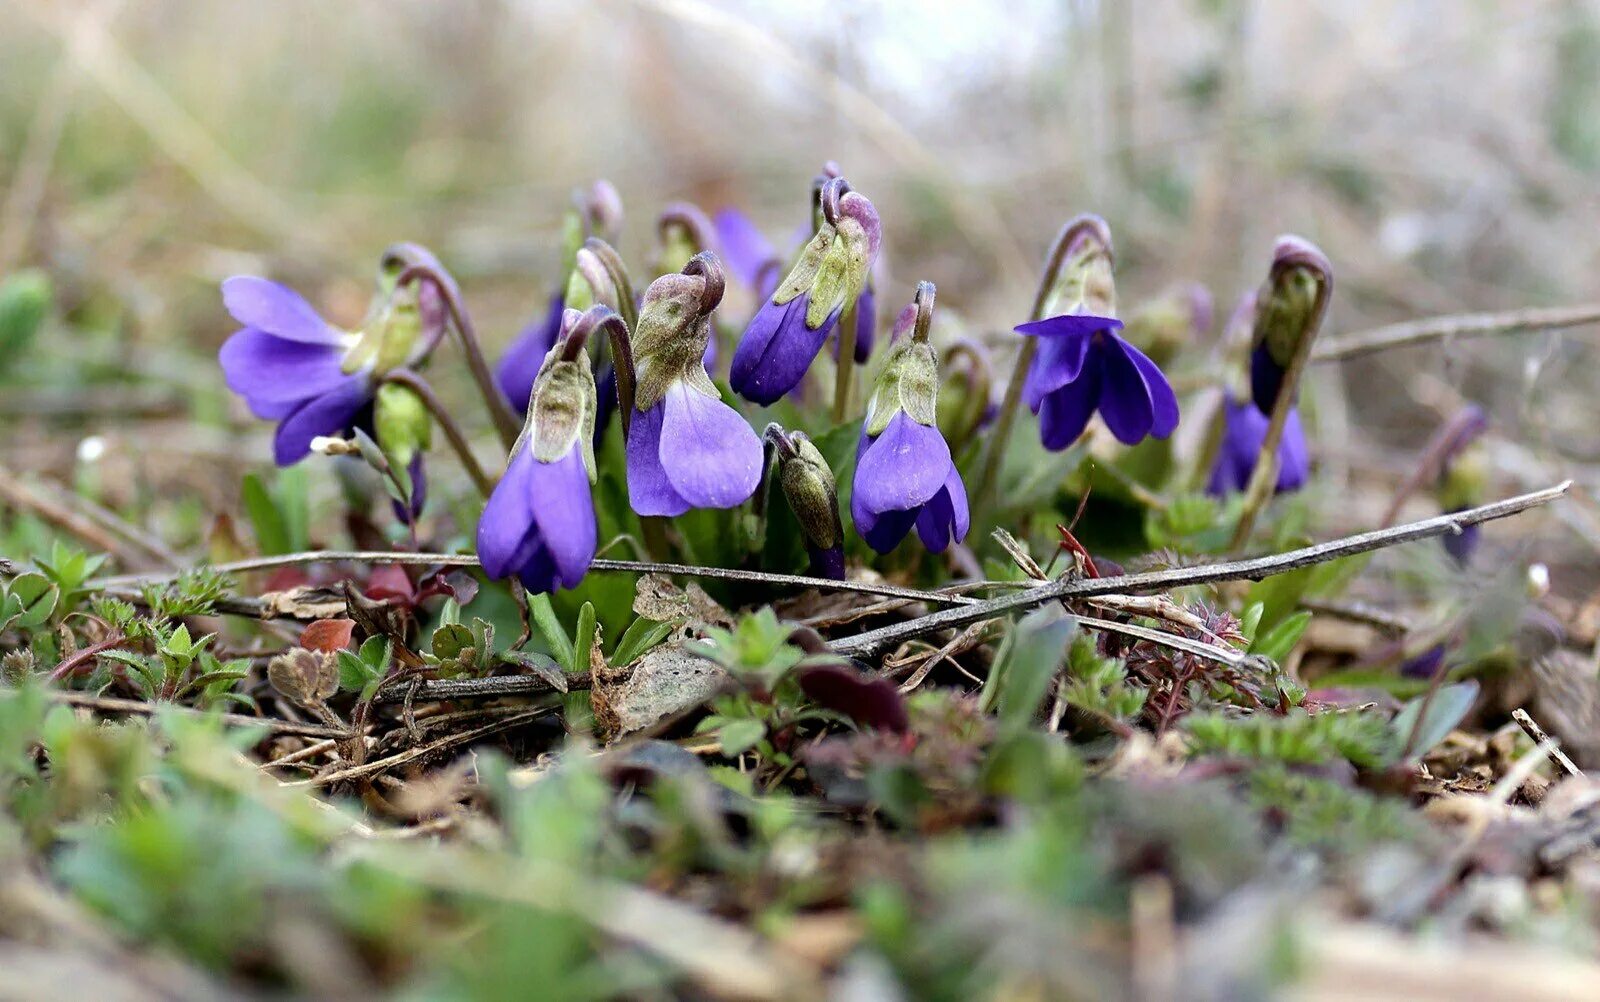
(1244, 429)
(539, 523)
(905, 474)
(686, 448)
(293, 367)
(790, 328)
(1083, 365)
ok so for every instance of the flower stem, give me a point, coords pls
(1008, 406)
(847, 365)
(452, 431)
(505, 421)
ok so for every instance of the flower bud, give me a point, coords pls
(589, 283)
(830, 276)
(809, 487)
(596, 212)
(909, 380)
(685, 231)
(674, 327)
(1289, 311)
(402, 423)
(1164, 326)
(561, 409)
(966, 400)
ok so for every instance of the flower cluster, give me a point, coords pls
(686, 446)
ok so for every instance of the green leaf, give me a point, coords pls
(1033, 651)
(1450, 705)
(544, 617)
(641, 635)
(483, 642)
(35, 599)
(354, 673)
(375, 652)
(1250, 622)
(739, 736)
(293, 494)
(1280, 640)
(449, 641)
(272, 536)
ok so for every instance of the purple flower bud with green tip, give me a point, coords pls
(1244, 428)
(1082, 364)
(315, 379)
(539, 523)
(791, 327)
(809, 488)
(905, 475)
(686, 448)
(1289, 311)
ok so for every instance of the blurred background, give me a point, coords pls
(1445, 154)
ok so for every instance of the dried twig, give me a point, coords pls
(1460, 326)
(1533, 730)
(949, 597)
(482, 688)
(423, 751)
(1253, 568)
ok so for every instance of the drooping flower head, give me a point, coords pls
(539, 523)
(1244, 428)
(905, 475)
(315, 379)
(791, 327)
(1289, 311)
(1082, 365)
(686, 448)
(809, 487)
(967, 402)
(596, 212)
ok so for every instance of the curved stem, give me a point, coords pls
(452, 431)
(505, 420)
(847, 365)
(1060, 248)
(618, 273)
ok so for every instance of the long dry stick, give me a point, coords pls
(1458, 326)
(604, 565)
(1253, 568)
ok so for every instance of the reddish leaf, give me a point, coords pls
(328, 635)
(870, 702)
(390, 584)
